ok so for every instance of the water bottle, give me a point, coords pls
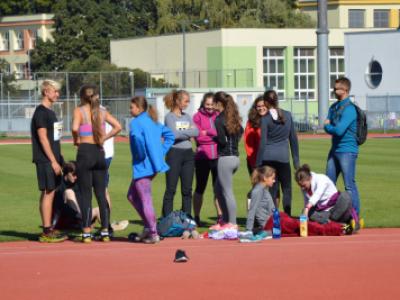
(276, 227)
(303, 226)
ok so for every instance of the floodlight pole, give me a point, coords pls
(323, 62)
(183, 54)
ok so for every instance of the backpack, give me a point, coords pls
(362, 126)
(174, 224)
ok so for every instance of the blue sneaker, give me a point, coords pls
(260, 236)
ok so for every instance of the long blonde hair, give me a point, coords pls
(87, 94)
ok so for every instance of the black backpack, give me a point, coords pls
(362, 126)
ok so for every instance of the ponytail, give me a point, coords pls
(143, 105)
(171, 99)
(88, 93)
(152, 113)
(271, 98)
(260, 173)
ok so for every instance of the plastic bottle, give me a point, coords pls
(276, 227)
(303, 226)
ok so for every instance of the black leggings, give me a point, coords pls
(203, 169)
(181, 163)
(284, 179)
(91, 171)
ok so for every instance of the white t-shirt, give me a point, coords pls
(108, 144)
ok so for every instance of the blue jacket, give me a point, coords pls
(343, 126)
(147, 148)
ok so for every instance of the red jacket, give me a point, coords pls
(252, 137)
(206, 146)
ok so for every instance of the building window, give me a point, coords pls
(336, 67)
(19, 71)
(381, 18)
(356, 18)
(304, 73)
(19, 40)
(374, 73)
(4, 41)
(33, 34)
(274, 70)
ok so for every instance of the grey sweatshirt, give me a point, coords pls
(261, 207)
(183, 129)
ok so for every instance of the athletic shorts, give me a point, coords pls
(47, 179)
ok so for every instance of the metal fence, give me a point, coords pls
(383, 112)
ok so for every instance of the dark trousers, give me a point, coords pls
(340, 212)
(91, 172)
(181, 163)
(203, 169)
(284, 180)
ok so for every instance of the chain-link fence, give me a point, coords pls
(17, 103)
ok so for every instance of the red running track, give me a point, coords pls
(363, 266)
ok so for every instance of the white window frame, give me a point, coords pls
(335, 58)
(19, 40)
(350, 19)
(19, 70)
(4, 41)
(298, 74)
(268, 74)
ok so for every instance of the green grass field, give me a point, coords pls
(378, 175)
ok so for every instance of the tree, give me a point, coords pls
(7, 80)
(22, 7)
(84, 28)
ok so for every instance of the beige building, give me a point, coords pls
(18, 35)
(357, 13)
(282, 59)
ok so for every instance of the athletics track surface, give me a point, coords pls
(362, 266)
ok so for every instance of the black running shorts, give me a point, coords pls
(47, 179)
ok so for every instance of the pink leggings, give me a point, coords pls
(139, 195)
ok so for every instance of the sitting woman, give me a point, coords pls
(67, 214)
(322, 201)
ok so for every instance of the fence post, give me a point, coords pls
(101, 89)
(1, 95)
(9, 111)
(67, 102)
(306, 110)
(291, 105)
(131, 77)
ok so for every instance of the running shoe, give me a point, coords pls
(137, 238)
(260, 236)
(347, 229)
(154, 239)
(216, 227)
(104, 236)
(53, 236)
(245, 234)
(86, 238)
(180, 256)
(186, 234)
(229, 226)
